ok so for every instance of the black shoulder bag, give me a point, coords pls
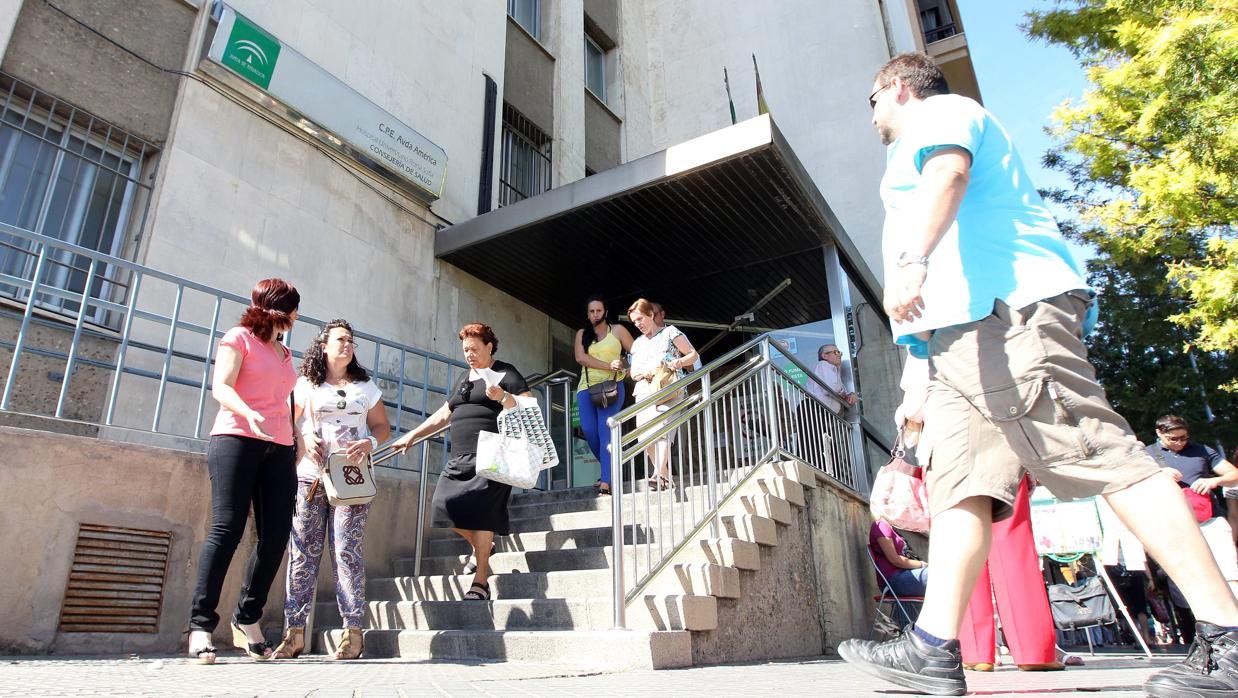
(603, 394)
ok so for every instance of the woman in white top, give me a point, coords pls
(341, 409)
(656, 346)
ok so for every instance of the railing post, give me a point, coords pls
(711, 459)
(422, 488)
(206, 369)
(167, 357)
(567, 430)
(77, 338)
(25, 325)
(124, 346)
(771, 389)
(616, 504)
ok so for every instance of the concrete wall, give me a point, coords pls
(59, 56)
(601, 135)
(528, 77)
(9, 10)
(846, 583)
(813, 590)
(817, 62)
(50, 483)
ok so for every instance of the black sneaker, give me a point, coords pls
(1209, 671)
(910, 662)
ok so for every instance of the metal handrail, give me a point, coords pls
(738, 420)
(122, 286)
(563, 372)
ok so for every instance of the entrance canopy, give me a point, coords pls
(707, 228)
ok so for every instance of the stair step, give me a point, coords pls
(752, 528)
(727, 552)
(606, 649)
(497, 614)
(573, 539)
(534, 508)
(525, 561)
(526, 585)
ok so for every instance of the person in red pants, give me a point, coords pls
(1021, 599)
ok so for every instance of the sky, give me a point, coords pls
(1021, 80)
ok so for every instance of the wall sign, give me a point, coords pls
(323, 106)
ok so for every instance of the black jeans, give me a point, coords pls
(244, 470)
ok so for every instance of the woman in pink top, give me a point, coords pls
(252, 460)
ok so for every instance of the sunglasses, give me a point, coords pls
(342, 402)
(465, 389)
(872, 99)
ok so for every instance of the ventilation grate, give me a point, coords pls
(116, 583)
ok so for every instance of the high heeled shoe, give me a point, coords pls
(204, 654)
(292, 645)
(258, 651)
(351, 646)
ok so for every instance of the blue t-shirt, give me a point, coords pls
(1004, 244)
(1194, 461)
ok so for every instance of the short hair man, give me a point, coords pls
(1000, 313)
(1200, 468)
(829, 363)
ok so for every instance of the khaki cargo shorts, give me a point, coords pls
(1014, 392)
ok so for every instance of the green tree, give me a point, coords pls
(1152, 147)
(1140, 358)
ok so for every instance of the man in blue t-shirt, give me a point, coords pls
(1203, 470)
(979, 281)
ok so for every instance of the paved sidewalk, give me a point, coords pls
(1107, 675)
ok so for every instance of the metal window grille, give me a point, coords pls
(525, 162)
(70, 175)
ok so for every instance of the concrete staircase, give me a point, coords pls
(551, 578)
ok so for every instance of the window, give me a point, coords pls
(524, 169)
(595, 68)
(66, 174)
(528, 14)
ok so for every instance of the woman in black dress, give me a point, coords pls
(472, 506)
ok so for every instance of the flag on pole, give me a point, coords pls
(726, 80)
(762, 107)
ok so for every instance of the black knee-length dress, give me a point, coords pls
(461, 499)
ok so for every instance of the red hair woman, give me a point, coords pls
(252, 461)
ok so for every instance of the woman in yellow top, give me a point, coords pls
(599, 349)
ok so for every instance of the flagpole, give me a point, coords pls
(726, 81)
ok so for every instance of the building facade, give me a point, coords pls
(125, 131)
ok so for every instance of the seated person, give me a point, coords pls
(904, 575)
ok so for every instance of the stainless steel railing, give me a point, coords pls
(739, 412)
(556, 392)
(152, 339)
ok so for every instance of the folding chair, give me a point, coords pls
(884, 624)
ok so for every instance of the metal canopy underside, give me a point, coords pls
(706, 227)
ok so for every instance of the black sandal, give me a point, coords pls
(480, 591)
(602, 492)
(260, 651)
(198, 658)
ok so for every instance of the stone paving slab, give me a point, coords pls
(1109, 676)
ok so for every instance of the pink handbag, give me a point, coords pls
(899, 495)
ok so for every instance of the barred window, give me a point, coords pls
(525, 163)
(67, 174)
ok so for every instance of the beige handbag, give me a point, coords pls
(347, 483)
(663, 376)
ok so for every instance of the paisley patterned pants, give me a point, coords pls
(315, 523)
